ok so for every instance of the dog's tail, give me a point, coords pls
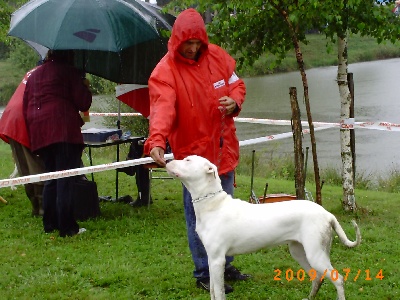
(342, 235)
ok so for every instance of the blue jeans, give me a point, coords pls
(199, 254)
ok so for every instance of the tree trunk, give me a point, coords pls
(300, 63)
(298, 145)
(347, 124)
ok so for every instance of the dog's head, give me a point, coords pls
(198, 174)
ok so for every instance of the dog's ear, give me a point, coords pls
(212, 169)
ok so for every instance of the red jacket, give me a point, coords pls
(184, 98)
(54, 95)
(12, 122)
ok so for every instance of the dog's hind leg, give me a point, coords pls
(296, 249)
(217, 267)
(320, 262)
(334, 276)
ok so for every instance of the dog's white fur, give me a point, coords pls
(230, 226)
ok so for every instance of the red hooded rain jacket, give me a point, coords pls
(184, 98)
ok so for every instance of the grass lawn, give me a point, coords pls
(142, 253)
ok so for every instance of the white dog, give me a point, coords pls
(230, 226)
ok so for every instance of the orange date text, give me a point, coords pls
(333, 275)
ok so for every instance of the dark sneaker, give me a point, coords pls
(231, 273)
(204, 283)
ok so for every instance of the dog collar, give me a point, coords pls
(209, 195)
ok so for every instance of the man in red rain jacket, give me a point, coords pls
(194, 95)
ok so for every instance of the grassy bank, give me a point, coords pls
(141, 253)
(315, 55)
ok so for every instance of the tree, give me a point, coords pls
(254, 28)
(365, 18)
(5, 11)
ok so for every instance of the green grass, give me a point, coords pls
(141, 253)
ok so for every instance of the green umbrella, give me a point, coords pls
(118, 40)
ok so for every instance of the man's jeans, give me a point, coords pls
(199, 254)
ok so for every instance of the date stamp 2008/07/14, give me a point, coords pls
(300, 275)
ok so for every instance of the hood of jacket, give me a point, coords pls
(188, 25)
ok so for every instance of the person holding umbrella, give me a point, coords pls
(54, 95)
(194, 95)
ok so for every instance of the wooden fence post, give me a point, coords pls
(298, 145)
(350, 82)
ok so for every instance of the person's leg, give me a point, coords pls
(227, 182)
(50, 219)
(142, 177)
(38, 191)
(143, 186)
(231, 273)
(199, 254)
(68, 156)
(35, 166)
(21, 162)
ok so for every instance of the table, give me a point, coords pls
(116, 143)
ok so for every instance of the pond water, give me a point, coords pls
(376, 99)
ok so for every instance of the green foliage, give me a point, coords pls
(391, 183)
(10, 78)
(100, 86)
(250, 29)
(268, 163)
(23, 56)
(5, 11)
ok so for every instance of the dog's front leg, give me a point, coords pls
(217, 268)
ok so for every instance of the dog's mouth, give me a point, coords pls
(171, 172)
(174, 174)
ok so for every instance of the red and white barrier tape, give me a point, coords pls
(344, 124)
(276, 137)
(96, 114)
(78, 171)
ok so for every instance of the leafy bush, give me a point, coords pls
(23, 56)
(6, 91)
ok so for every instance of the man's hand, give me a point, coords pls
(228, 104)
(157, 154)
